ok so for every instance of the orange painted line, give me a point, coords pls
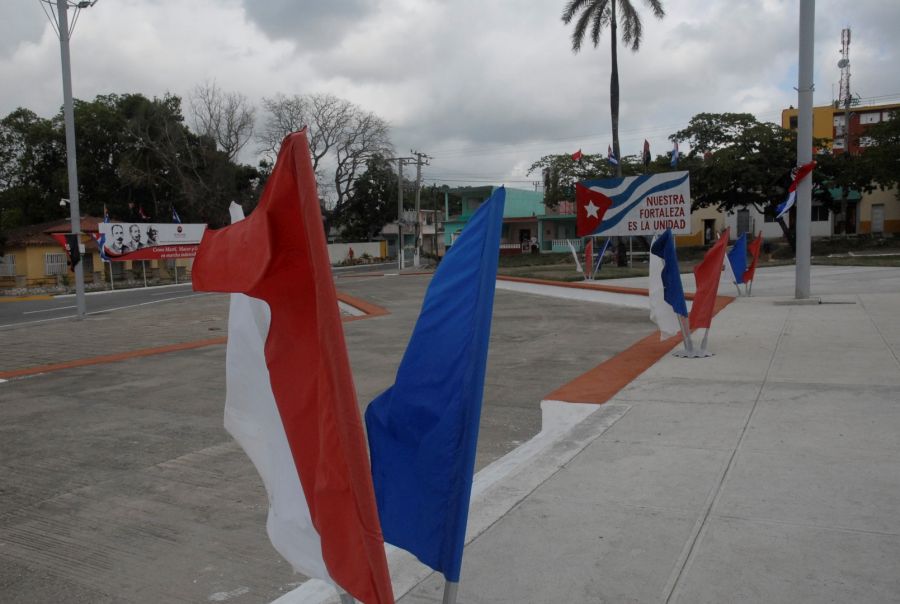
(110, 358)
(371, 310)
(24, 298)
(604, 381)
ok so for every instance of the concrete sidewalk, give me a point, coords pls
(767, 473)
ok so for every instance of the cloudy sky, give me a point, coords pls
(485, 87)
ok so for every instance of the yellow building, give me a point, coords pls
(33, 258)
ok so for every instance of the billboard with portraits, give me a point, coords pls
(120, 241)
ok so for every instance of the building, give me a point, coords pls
(844, 130)
(33, 258)
(521, 214)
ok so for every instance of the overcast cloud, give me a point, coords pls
(485, 87)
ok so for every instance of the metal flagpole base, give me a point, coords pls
(692, 354)
(688, 350)
(450, 589)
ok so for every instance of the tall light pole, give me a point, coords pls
(61, 22)
(804, 145)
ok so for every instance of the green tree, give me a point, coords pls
(561, 172)
(373, 202)
(883, 156)
(599, 14)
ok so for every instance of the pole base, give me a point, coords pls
(692, 354)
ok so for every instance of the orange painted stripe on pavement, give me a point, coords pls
(24, 298)
(371, 310)
(604, 381)
(110, 358)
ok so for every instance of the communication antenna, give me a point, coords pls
(844, 97)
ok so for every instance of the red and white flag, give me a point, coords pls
(707, 274)
(590, 206)
(290, 400)
(577, 155)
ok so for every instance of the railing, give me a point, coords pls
(562, 245)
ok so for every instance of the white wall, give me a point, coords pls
(338, 252)
(772, 230)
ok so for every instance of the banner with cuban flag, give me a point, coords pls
(667, 300)
(634, 205)
(423, 430)
(290, 398)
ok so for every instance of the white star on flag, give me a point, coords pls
(592, 209)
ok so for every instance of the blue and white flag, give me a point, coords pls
(736, 260)
(175, 217)
(101, 238)
(423, 430)
(666, 292)
(674, 162)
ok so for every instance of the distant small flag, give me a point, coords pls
(105, 213)
(142, 214)
(611, 157)
(797, 174)
(577, 155)
(674, 162)
(175, 217)
(646, 154)
(600, 255)
(100, 238)
(667, 301)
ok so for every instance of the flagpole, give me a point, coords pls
(450, 589)
(112, 284)
(144, 270)
(686, 334)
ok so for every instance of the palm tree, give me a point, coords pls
(599, 14)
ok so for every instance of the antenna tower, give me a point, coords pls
(844, 98)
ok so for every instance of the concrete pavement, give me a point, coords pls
(767, 473)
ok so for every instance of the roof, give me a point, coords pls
(39, 234)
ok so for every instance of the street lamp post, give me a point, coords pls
(62, 26)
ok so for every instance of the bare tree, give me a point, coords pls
(341, 135)
(225, 117)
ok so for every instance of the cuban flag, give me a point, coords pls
(736, 260)
(290, 398)
(175, 217)
(797, 174)
(602, 205)
(100, 238)
(667, 300)
(674, 162)
(423, 430)
(611, 157)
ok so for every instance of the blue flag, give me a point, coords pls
(664, 247)
(423, 430)
(175, 217)
(737, 257)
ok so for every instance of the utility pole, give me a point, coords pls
(421, 158)
(400, 161)
(60, 22)
(804, 144)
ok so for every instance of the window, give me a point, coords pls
(838, 121)
(769, 214)
(819, 213)
(866, 141)
(55, 264)
(793, 122)
(886, 115)
(8, 265)
(838, 143)
(870, 118)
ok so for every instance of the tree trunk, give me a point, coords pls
(614, 86)
(788, 234)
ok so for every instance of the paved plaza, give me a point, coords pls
(767, 473)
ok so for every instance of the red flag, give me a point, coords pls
(142, 214)
(590, 206)
(707, 275)
(279, 255)
(753, 248)
(577, 155)
(589, 258)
